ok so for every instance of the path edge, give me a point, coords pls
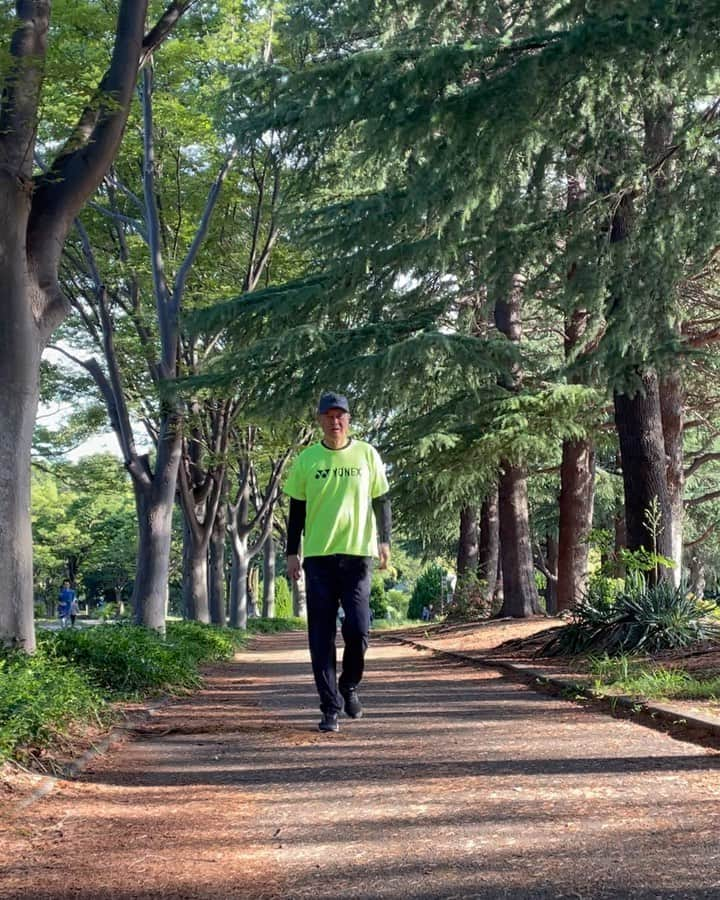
(694, 728)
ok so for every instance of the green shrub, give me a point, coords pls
(470, 600)
(428, 589)
(126, 660)
(273, 626)
(397, 601)
(378, 603)
(283, 599)
(39, 696)
(205, 642)
(641, 618)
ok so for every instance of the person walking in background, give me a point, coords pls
(339, 499)
(74, 610)
(65, 600)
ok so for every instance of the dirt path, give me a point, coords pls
(459, 783)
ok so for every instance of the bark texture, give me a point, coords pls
(520, 596)
(37, 212)
(577, 492)
(489, 544)
(642, 450)
(467, 558)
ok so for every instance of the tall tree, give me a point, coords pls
(39, 209)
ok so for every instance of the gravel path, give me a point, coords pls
(458, 783)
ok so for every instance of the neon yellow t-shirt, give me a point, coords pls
(338, 487)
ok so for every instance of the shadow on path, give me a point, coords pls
(457, 783)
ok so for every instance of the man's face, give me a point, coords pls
(335, 424)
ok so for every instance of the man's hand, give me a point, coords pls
(384, 555)
(294, 567)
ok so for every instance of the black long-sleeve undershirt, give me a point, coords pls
(296, 521)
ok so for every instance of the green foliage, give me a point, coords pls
(470, 600)
(204, 642)
(76, 671)
(274, 626)
(283, 599)
(639, 619)
(40, 696)
(625, 675)
(378, 601)
(126, 660)
(397, 604)
(427, 591)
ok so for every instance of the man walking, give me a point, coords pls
(65, 600)
(339, 499)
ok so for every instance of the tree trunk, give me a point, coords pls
(672, 408)
(217, 567)
(642, 451)
(238, 582)
(154, 501)
(520, 596)
(489, 548)
(552, 558)
(299, 597)
(268, 602)
(20, 351)
(195, 577)
(467, 557)
(577, 493)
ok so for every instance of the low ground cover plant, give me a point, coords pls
(40, 696)
(641, 678)
(272, 626)
(639, 618)
(76, 674)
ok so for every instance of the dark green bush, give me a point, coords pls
(428, 589)
(470, 600)
(639, 619)
(205, 642)
(378, 601)
(272, 626)
(126, 660)
(283, 599)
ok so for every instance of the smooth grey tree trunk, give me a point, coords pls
(37, 212)
(154, 501)
(195, 579)
(238, 582)
(216, 575)
(299, 597)
(20, 350)
(268, 601)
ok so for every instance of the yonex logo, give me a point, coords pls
(339, 472)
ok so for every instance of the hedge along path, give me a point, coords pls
(457, 783)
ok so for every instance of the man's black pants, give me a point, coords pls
(331, 582)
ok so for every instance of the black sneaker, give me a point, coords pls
(353, 706)
(329, 722)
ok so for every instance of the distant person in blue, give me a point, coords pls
(66, 599)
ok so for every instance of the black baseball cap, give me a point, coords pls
(331, 400)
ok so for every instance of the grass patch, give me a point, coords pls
(40, 696)
(76, 674)
(275, 626)
(625, 675)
